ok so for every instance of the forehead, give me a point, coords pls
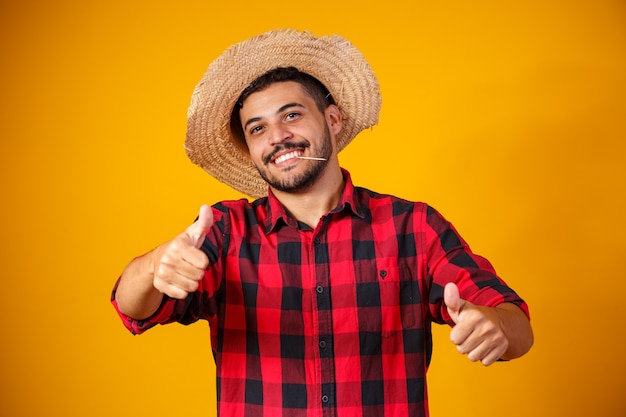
(275, 93)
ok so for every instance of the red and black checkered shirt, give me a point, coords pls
(331, 321)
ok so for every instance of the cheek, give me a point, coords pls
(250, 145)
(255, 151)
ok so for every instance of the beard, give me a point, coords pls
(304, 180)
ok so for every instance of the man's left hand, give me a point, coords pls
(478, 332)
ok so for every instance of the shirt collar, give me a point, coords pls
(277, 215)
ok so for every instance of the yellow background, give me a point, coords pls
(508, 117)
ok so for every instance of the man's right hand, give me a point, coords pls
(179, 265)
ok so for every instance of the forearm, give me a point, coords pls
(517, 329)
(136, 295)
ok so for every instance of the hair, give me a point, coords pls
(311, 85)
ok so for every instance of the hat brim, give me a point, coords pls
(331, 59)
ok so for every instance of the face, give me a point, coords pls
(282, 123)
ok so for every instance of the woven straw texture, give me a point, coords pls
(333, 60)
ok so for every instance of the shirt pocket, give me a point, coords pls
(385, 298)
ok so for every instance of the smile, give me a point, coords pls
(287, 156)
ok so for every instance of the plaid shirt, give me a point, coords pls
(331, 321)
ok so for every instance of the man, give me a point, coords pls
(319, 294)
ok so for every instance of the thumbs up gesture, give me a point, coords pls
(478, 330)
(179, 264)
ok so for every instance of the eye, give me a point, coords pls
(255, 130)
(292, 115)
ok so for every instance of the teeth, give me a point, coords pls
(286, 156)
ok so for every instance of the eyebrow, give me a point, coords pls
(280, 110)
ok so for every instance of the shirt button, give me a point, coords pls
(325, 399)
(383, 273)
(322, 344)
(319, 289)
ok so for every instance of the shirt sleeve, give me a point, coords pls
(164, 314)
(198, 305)
(449, 258)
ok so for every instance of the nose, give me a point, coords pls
(278, 133)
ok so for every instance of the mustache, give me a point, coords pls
(284, 147)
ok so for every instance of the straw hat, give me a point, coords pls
(331, 59)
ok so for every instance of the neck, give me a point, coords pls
(310, 205)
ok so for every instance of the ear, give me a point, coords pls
(334, 119)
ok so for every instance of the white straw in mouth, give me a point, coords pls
(311, 158)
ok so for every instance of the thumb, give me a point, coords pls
(197, 231)
(453, 301)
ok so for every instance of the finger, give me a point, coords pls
(473, 330)
(492, 357)
(175, 283)
(454, 302)
(198, 262)
(479, 352)
(170, 290)
(486, 354)
(183, 258)
(479, 337)
(198, 230)
(459, 335)
(475, 349)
